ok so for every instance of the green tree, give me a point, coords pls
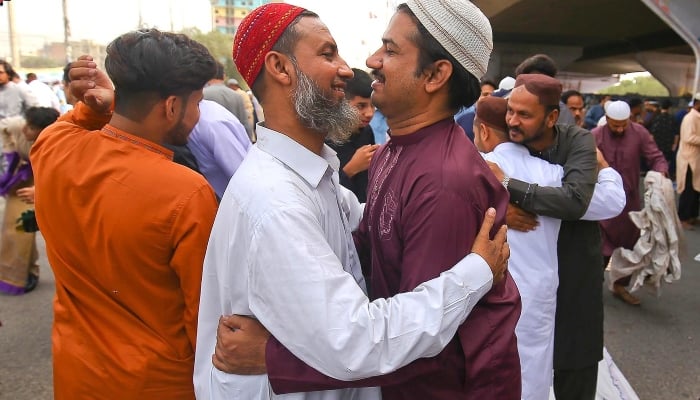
(646, 86)
(220, 46)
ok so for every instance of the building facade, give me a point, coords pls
(227, 14)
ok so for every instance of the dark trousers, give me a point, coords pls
(670, 157)
(576, 384)
(689, 200)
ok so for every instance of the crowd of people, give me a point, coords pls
(350, 242)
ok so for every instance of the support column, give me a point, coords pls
(682, 16)
(676, 72)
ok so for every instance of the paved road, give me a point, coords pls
(657, 345)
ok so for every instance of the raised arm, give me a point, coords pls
(95, 92)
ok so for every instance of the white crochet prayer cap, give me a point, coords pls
(617, 110)
(461, 28)
(507, 83)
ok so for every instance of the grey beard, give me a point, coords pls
(336, 121)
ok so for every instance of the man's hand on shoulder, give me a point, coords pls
(495, 252)
(520, 220)
(600, 158)
(496, 170)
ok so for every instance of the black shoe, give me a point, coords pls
(32, 281)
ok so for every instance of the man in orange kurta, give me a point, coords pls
(126, 228)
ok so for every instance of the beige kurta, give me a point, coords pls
(18, 253)
(689, 151)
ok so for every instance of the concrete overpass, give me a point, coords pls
(594, 39)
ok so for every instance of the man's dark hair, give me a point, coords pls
(487, 81)
(8, 68)
(41, 117)
(635, 101)
(219, 73)
(463, 87)
(66, 75)
(148, 65)
(537, 64)
(666, 104)
(565, 96)
(359, 85)
(31, 76)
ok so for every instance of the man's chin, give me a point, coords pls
(516, 138)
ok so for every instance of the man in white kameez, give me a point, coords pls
(533, 261)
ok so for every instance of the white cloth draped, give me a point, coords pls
(656, 254)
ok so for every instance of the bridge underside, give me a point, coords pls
(589, 38)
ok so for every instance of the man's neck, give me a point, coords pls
(411, 124)
(545, 142)
(313, 141)
(141, 129)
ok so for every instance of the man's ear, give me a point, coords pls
(279, 67)
(170, 105)
(438, 75)
(552, 118)
(484, 132)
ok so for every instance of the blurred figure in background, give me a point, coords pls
(573, 100)
(45, 96)
(14, 99)
(19, 271)
(688, 166)
(356, 153)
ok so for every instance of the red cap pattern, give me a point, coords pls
(257, 34)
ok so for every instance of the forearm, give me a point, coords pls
(288, 374)
(608, 199)
(568, 202)
(690, 136)
(359, 339)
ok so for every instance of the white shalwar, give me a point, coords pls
(281, 250)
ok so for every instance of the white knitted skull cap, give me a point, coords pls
(617, 110)
(461, 28)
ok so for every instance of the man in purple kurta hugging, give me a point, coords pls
(427, 194)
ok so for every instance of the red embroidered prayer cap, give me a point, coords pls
(257, 34)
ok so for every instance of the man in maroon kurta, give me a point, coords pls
(623, 143)
(428, 192)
